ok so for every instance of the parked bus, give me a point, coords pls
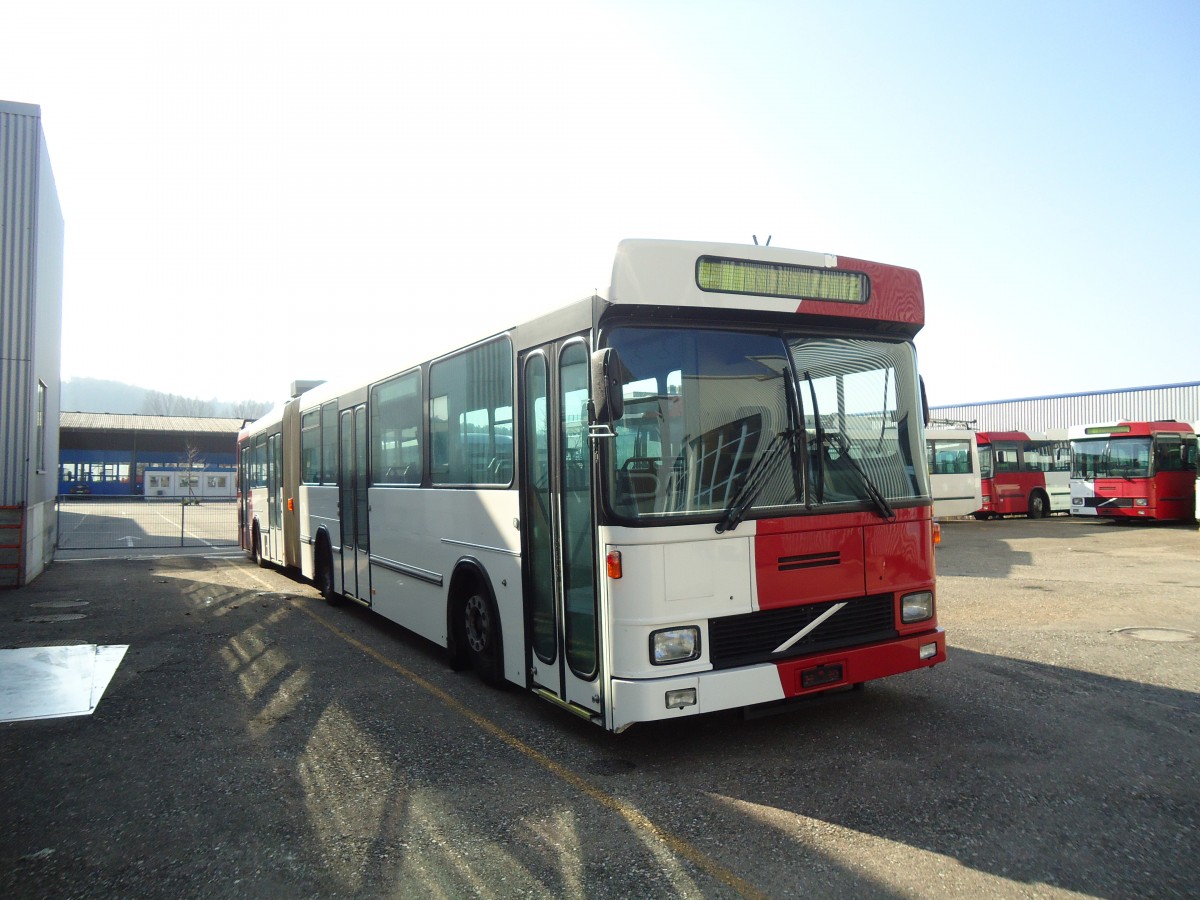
(953, 460)
(1134, 470)
(1024, 474)
(703, 491)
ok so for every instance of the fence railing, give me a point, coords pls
(100, 523)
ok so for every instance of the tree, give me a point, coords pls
(193, 464)
(249, 409)
(160, 404)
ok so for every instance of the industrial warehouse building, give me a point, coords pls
(1180, 402)
(108, 454)
(31, 278)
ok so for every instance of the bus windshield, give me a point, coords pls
(1116, 458)
(715, 419)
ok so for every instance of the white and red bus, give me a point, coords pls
(1023, 473)
(1134, 470)
(953, 460)
(703, 491)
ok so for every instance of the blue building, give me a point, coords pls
(108, 454)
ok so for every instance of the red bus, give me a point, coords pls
(1023, 473)
(701, 491)
(1134, 470)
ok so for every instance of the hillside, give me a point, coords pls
(98, 395)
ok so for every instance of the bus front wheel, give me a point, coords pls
(256, 553)
(324, 575)
(1038, 507)
(479, 631)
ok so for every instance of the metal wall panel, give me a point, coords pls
(1140, 404)
(46, 368)
(20, 139)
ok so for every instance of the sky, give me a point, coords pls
(259, 192)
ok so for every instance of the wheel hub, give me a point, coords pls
(477, 623)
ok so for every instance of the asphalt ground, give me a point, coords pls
(255, 742)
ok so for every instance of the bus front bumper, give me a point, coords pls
(651, 700)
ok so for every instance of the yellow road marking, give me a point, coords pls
(630, 814)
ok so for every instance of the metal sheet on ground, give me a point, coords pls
(52, 682)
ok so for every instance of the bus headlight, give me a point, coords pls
(916, 607)
(675, 645)
(1141, 501)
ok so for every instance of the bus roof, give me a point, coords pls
(760, 278)
(700, 274)
(1129, 429)
(1051, 434)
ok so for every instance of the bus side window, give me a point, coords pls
(1005, 459)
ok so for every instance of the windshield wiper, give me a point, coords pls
(781, 447)
(885, 511)
(820, 430)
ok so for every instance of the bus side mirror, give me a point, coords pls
(608, 400)
(924, 403)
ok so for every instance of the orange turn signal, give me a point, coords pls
(614, 564)
(291, 505)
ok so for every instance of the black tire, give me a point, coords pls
(479, 632)
(256, 553)
(981, 517)
(1039, 507)
(323, 576)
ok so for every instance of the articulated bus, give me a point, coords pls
(953, 459)
(703, 491)
(1134, 470)
(1023, 474)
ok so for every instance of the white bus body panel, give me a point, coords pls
(270, 550)
(420, 535)
(1058, 489)
(674, 576)
(956, 493)
(677, 576)
(645, 701)
(1058, 482)
(663, 273)
(318, 509)
(1083, 489)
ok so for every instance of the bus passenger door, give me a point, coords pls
(559, 526)
(352, 503)
(273, 539)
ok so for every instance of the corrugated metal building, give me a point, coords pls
(107, 453)
(182, 427)
(1140, 404)
(31, 276)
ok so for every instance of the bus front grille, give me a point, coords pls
(753, 637)
(1108, 502)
